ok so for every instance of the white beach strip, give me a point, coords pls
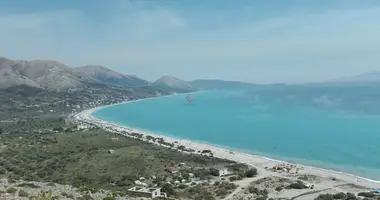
(257, 161)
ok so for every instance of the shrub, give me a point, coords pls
(251, 172)
(253, 190)
(69, 196)
(87, 197)
(109, 198)
(351, 196)
(278, 189)
(11, 190)
(262, 198)
(182, 186)
(22, 193)
(233, 178)
(297, 185)
(29, 185)
(221, 192)
(340, 195)
(2, 170)
(325, 197)
(366, 194)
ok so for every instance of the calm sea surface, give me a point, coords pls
(315, 131)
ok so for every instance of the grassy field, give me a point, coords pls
(83, 159)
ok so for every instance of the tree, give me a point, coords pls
(1, 130)
(251, 172)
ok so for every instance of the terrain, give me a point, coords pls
(45, 154)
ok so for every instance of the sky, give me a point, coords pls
(259, 41)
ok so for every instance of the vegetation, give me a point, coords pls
(367, 194)
(341, 196)
(22, 193)
(82, 159)
(43, 196)
(251, 172)
(11, 190)
(297, 185)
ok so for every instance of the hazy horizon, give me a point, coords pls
(249, 41)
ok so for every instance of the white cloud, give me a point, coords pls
(166, 39)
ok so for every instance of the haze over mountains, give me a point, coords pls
(53, 75)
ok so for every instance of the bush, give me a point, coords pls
(22, 193)
(221, 192)
(297, 185)
(251, 172)
(109, 198)
(2, 170)
(87, 197)
(262, 198)
(325, 197)
(69, 196)
(340, 195)
(233, 178)
(278, 189)
(11, 190)
(351, 196)
(253, 190)
(366, 194)
(29, 185)
(168, 189)
(182, 186)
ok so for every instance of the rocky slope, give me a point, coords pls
(100, 74)
(53, 75)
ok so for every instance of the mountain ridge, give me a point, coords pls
(53, 75)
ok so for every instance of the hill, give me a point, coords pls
(100, 74)
(52, 75)
(366, 77)
(173, 84)
(220, 84)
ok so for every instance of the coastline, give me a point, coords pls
(260, 162)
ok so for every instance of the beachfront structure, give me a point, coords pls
(220, 171)
(146, 192)
(172, 170)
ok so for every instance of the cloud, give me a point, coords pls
(154, 40)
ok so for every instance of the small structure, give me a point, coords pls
(111, 151)
(377, 191)
(147, 192)
(115, 139)
(172, 170)
(139, 183)
(219, 171)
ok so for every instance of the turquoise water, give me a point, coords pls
(322, 136)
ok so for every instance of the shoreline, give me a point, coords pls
(224, 152)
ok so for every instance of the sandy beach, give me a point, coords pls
(326, 181)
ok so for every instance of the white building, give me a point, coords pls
(147, 192)
(220, 171)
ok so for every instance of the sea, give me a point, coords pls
(326, 127)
